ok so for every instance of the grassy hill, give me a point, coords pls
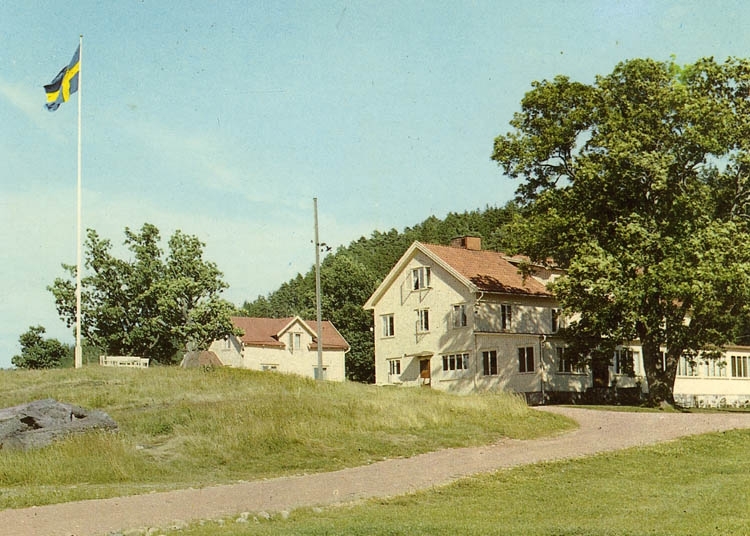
(181, 428)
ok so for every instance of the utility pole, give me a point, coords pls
(319, 375)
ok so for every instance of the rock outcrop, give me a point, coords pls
(203, 358)
(38, 423)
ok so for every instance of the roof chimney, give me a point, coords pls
(473, 243)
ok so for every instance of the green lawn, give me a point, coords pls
(695, 486)
(190, 428)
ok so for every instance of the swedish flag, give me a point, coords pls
(64, 84)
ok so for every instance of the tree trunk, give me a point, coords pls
(660, 372)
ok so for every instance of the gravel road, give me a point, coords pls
(598, 431)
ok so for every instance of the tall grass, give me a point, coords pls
(182, 428)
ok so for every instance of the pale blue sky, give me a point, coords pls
(225, 118)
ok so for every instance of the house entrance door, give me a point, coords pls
(425, 374)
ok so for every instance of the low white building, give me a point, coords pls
(721, 382)
(285, 345)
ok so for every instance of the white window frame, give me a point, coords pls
(686, 367)
(506, 316)
(388, 325)
(457, 362)
(618, 358)
(420, 278)
(713, 368)
(460, 316)
(526, 358)
(488, 357)
(394, 367)
(295, 341)
(423, 320)
(740, 366)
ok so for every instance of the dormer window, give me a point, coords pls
(420, 277)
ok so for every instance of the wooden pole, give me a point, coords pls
(319, 376)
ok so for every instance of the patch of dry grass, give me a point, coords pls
(182, 428)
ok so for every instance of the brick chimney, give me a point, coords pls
(473, 243)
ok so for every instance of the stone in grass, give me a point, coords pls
(38, 423)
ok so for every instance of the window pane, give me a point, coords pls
(489, 363)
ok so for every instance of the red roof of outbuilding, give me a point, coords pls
(266, 331)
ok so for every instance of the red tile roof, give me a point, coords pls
(490, 271)
(264, 332)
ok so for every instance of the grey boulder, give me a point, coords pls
(38, 423)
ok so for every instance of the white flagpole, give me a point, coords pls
(78, 357)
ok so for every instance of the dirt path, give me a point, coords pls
(599, 431)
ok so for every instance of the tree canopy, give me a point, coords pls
(38, 352)
(149, 305)
(638, 185)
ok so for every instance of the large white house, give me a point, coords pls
(284, 345)
(462, 319)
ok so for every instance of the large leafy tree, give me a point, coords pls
(149, 305)
(38, 352)
(345, 285)
(638, 185)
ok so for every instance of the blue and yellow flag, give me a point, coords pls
(64, 84)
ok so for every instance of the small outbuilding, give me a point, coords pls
(284, 345)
